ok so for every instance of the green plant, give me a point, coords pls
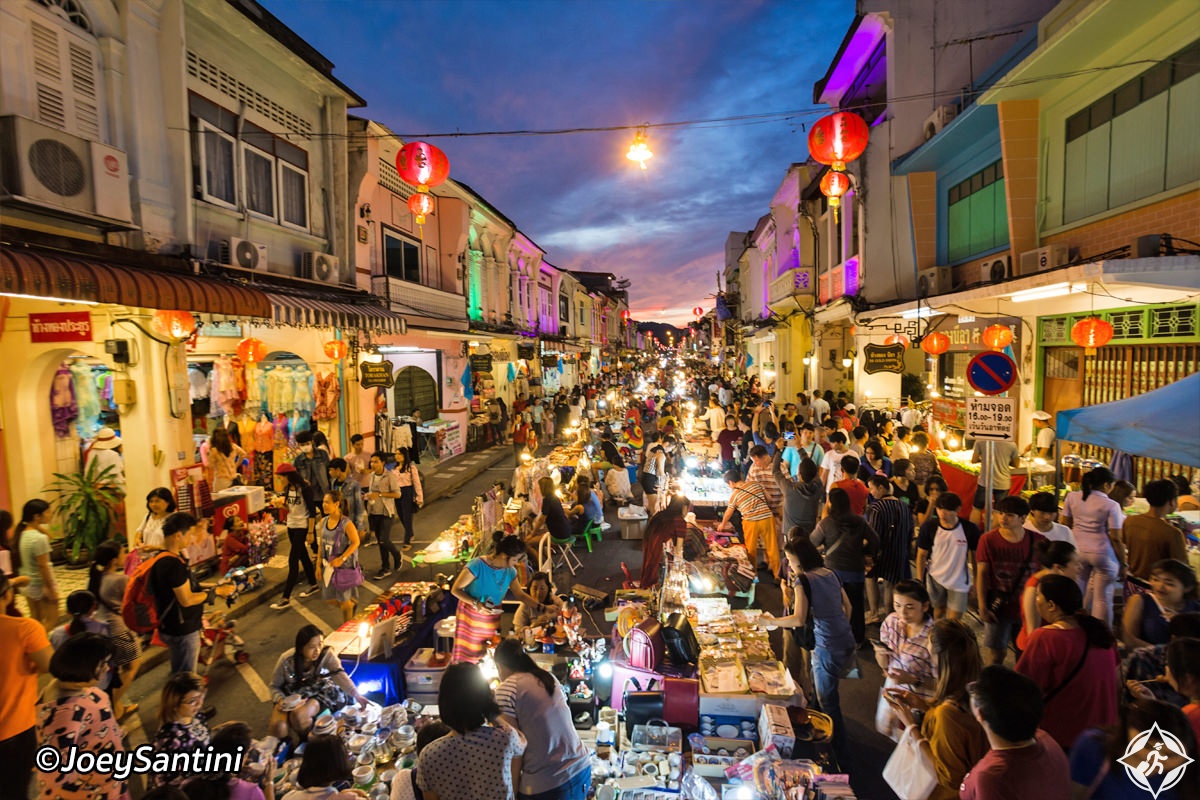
(912, 387)
(85, 504)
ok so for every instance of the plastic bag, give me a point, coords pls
(908, 771)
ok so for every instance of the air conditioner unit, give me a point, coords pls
(1042, 259)
(940, 117)
(994, 269)
(54, 168)
(243, 253)
(322, 267)
(934, 281)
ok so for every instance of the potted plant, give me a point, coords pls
(85, 503)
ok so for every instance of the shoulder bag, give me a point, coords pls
(345, 577)
(996, 599)
(1048, 696)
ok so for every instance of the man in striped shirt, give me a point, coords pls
(758, 519)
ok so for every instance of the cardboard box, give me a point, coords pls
(746, 706)
(774, 727)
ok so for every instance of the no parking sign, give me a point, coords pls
(991, 372)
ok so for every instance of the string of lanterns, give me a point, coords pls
(834, 140)
(422, 165)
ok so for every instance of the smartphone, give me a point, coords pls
(789, 436)
(878, 645)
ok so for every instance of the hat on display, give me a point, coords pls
(284, 469)
(106, 439)
(1042, 415)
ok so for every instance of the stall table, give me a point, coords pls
(963, 483)
(386, 676)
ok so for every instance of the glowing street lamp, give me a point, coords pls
(639, 151)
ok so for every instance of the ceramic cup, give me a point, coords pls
(606, 792)
(631, 769)
(650, 769)
(363, 775)
(675, 759)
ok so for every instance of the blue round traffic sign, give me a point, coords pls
(991, 372)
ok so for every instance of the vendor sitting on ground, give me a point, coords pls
(315, 674)
(588, 507)
(534, 615)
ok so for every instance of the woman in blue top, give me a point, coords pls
(817, 590)
(587, 508)
(480, 589)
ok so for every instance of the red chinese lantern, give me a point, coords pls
(838, 138)
(177, 325)
(698, 311)
(898, 338)
(336, 349)
(834, 185)
(997, 337)
(422, 165)
(421, 205)
(1091, 333)
(935, 343)
(251, 350)
(625, 315)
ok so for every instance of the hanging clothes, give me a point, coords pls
(327, 392)
(88, 399)
(264, 435)
(63, 408)
(401, 437)
(302, 389)
(251, 378)
(279, 390)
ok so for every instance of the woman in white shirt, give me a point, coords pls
(160, 504)
(1096, 521)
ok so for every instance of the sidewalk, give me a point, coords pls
(445, 479)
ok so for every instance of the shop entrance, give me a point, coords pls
(415, 389)
(81, 403)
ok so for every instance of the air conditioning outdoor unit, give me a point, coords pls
(54, 168)
(1042, 259)
(994, 269)
(940, 117)
(322, 267)
(244, 253)
(934, 281)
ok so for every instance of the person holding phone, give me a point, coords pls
(902, 652)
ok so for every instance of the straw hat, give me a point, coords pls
(106, 439)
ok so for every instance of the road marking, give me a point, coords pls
(311, 617)
(455, 469)
(260, 689)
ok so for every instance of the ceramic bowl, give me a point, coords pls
(357, 742)
(364, 775)
(292, 702)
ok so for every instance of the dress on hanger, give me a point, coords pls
(63, 408)
(326, 396)
(302, 389)
(88, 400)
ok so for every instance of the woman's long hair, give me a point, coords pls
(1066, 594)
(303, 637)
(956, 651)
(80, 603)
(1096, 480)
(512, 656)
(221, 442)
(464, 698)
(29, 512)
(104, 554)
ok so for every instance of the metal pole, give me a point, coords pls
(989, 485)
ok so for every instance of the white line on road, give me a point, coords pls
(260, 689)
(310, 616)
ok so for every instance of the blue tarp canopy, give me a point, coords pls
(1162, 424)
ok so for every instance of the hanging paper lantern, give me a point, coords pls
(421, 205)
(898, 338)
(177, 325)
(698, 311)
(422, 165)
(336, 349)
(834, 186)
(935, 343)
(1091, 333)
(838, 138)
(625, 315)
(251, 350)
(997, 337)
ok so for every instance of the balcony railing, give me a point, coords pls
(793, 282)
(413, 298)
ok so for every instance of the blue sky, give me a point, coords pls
(478, 65)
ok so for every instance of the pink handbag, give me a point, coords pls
(644, 645)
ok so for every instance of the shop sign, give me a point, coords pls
(527, 352)
(481, 363)
(60, 326)
(969, 336)
(883, 358)
(373, 375)
(550, 362)
(949, 412)
(992, 418)
(228, 330)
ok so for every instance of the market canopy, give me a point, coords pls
(1162, 424)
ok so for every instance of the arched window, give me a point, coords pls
(415, 388)
(65, 70)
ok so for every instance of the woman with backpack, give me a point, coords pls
(339, 545)
(301, 522)
(107, 581)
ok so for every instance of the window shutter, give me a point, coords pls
(84, 91)
(66, 80)
(47, 71)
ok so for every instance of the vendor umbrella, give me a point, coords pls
(1162, 424)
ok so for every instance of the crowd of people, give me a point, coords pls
(1089, 634)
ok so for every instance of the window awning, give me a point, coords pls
(311, 311)
(57, 276)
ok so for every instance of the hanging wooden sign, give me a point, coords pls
(372, 375)
(883, 358)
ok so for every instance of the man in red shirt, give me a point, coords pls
(853, 486)
(1024, 762)
(1004, 559)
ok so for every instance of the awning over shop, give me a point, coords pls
(57, 276)
(311, 311)
(1161, 424)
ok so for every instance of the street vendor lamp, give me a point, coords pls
(838, 138)
(997, 337)
(935, 343)
(848, 359)
(251, 350)
(1091, 333)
